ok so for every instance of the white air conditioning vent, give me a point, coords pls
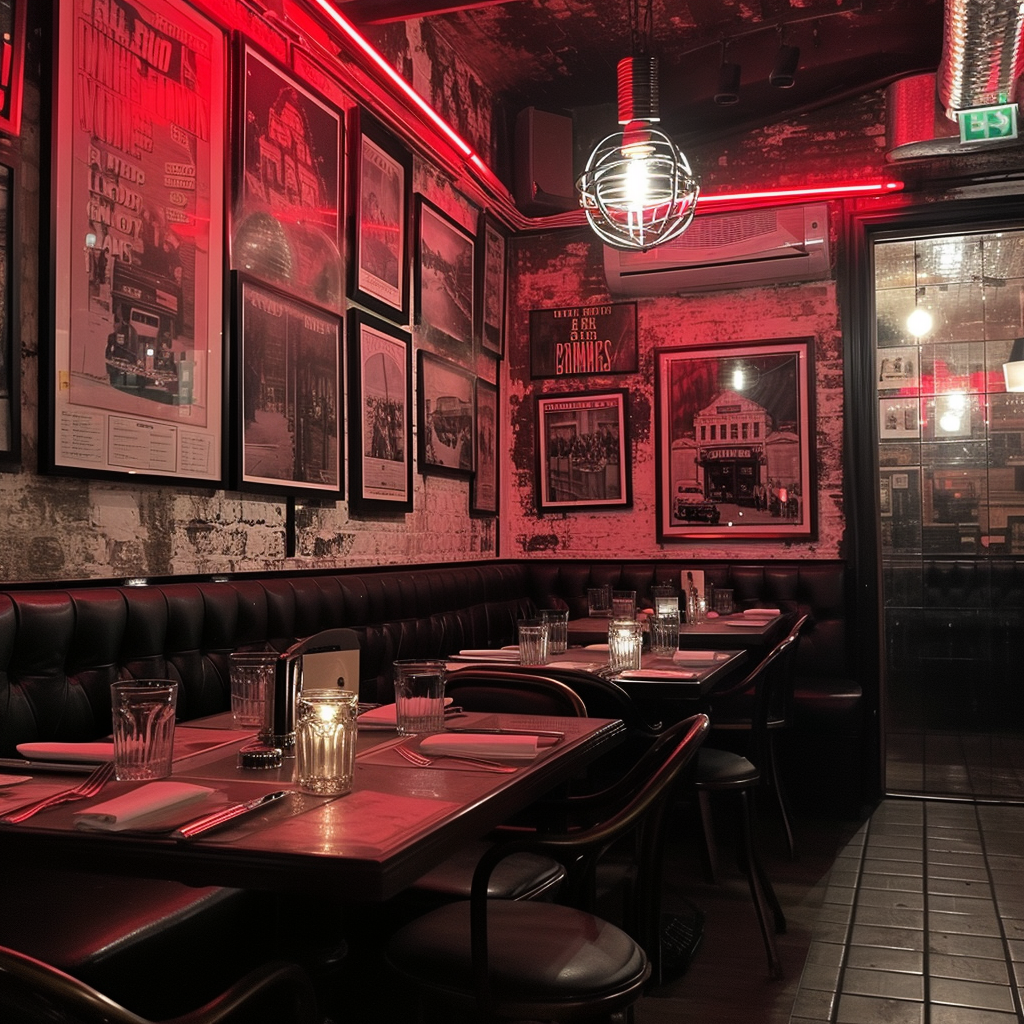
(728, 250)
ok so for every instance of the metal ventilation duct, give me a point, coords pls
(981, 53)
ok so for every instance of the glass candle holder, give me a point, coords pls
(325, 740)
(625, 644)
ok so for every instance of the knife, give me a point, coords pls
(198, 826)
(511, 732)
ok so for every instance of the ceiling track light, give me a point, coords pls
(728, 91)
(787, 60)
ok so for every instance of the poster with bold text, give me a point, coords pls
(138, 181)
(583, 341)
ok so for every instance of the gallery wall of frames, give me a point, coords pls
(238, 247)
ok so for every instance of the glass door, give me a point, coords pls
(951, 500)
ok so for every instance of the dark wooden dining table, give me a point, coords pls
(398, 822)
(724, 632)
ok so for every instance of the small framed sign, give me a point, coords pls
(583, 341)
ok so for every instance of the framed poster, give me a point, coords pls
(10, 363)
(445, 272)
(483, 492)
(289, 393)
(446, 416)
(583, 451)
(135, 383)
(581, 341)
(899, 418)
(733, 441)
(491, 274)
(380, 415)
(898, 368)
(287, 221)
(381, 176)
(12, 64)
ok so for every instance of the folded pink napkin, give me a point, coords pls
(504, 654)
(763, 612)
(137, 803)
(86, 753)
(693, 657)
(384, 716)
(656, 673)
(503, 747)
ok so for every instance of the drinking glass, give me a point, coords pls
(419, 696)
(625, 643)
(599, 602)
(664, 597)
(557, 622)
(252, 679)
(325, 740)
(623, 604)
(533, 643)
(723, 601)
(665, 632)
(143, 719)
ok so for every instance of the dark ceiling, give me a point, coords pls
(561, 55)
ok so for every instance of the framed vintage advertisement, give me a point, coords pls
(446, 416)
(583, 459)
(483, 492)
(445, 273)
(381, 176)
(135, 381)
(10, 363)
(491, 274)
(581, 341)
(289, 401)
(734, 441)
(286, 228)
(12, 64)
(379, 416)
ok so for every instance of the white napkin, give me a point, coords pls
(384, 716)
(766, 613)
(505, 654)
(504, 747)
(85, 753)
(596, 647)
(694, 657)
(656, 673)
(137, 803)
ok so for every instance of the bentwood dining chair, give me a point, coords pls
(527, 960)
(33, 992)
(512, 692)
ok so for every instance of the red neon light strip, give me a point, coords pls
(467, 151)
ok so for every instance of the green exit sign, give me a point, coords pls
(979, 124)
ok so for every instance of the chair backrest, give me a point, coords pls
(604, 698)
(508, 691)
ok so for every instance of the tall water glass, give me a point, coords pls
(251, 675)
(419, 696)
(599, 602)
(623, 604)
(325, 740)
(625, 643)
(665, 632)
(143, 719)
(533, 643)
(557, 622)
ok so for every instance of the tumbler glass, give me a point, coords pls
(599, 602)
(533, 642)
(419, 696)
(325, 740)
(625, 643)
(557, 622)
(623, 604)
(665, 632)
(252, 681)
(143, 718)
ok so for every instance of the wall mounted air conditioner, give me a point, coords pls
(728, 250)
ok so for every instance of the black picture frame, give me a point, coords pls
(287, 219)
(10, 348)
(12, 64)
(583, 341)
(380, 176)
(484, 489)
(492, 262)
(446, 416)
(444, 281)
(289, 387)
(380, 416)
(734, 441)
(583, 451)
(134, 382)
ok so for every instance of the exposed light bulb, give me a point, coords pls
(919, 323)
(737, 379)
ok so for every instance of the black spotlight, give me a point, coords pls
(783, 75)
(728, 91)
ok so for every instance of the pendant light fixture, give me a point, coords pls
(1013, 369)
(637, 188)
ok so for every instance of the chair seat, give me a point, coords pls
(522, 876)
(539, 953)
(722, 769)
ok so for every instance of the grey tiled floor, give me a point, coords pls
(922, 921)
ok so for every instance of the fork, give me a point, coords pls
(88, 787)
(424, 762)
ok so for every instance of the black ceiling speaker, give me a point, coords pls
(728, 91)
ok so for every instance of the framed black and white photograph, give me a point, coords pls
(10, 363)
(446, 416)
(134, 382)
(444, 285)
(381, 176)
(287, 222)
(289, 355)
(380, 415)
(734, 440)
(483, 493)
(583, 451)
(491, 256)
(12, 64)
(897, 368)
(899, 419)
